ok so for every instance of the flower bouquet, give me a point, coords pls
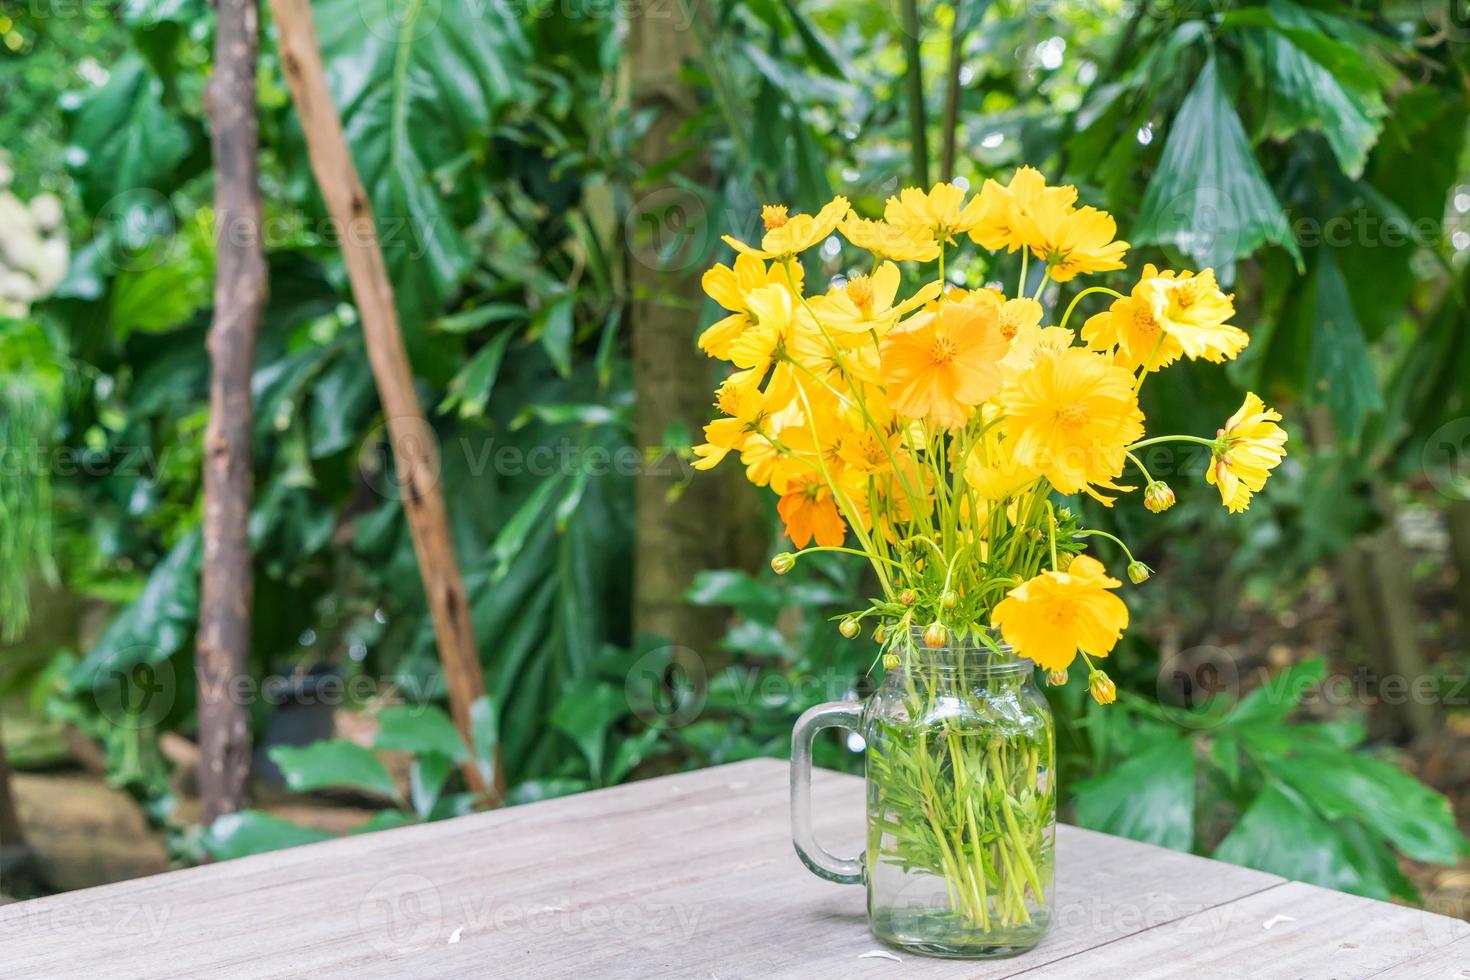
(940, 426)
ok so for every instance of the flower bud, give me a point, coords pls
(1104, 691)
(879, 633)
(1056, 678)
(935, 635)
(849, 627)
(907, 597)
(783, 563)
(949, 599)
(1158, 497)
(1138, 572)
(1064, 560)
(890, 661)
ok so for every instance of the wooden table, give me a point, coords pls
(691, 877)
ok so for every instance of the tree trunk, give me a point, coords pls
(223, 648)
(1457, 516)
(679, 518)
(1401, 654)
(415, 449)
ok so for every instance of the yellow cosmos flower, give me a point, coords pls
(1071, 241)
(1166, 315)
(744, 409)
(1047, 619)
(767, 460)
(941, 365)
(866, 303)
(936, 216)
(808, 511)
(994, 471)
(1194, 312)
(1250, 446)
(888, 242)
(728, 287)
(1006, 210)
(1071, 417)
(786, 235)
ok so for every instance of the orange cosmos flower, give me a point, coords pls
(941, 365)
(1047, 619)
(1071, 417)
(808, 510)
(1251, 445)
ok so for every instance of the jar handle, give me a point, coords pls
(818, 860)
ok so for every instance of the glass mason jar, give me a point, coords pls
(961, 790)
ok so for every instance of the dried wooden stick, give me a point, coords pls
(414, 450)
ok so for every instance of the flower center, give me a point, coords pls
(860, 291)
(1187, 293)
(942, 350)
(773, 216)
(1144, 322)
(1072, 416)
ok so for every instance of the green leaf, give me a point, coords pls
(333, 763)
(471, 387)
(512, 537)
(536, 790)
(125, 140)
(631, 751)
(1208, 196)
(1281, 834)
(485, 734)
(248, 832)
(731, 587)
(1394, 804)
(426, 781)
(553, 325)
(162, 297)
(585, 714)
(420, 84)
(1149, 797)
(420, 729)
(1342, 375)
(1306, 95)
(1277, 697)
(154, 626)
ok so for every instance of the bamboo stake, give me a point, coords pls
(223, 646)
(415, 453)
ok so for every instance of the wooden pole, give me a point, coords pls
(223, 644)
(414, 451)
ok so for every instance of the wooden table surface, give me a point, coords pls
(690, 876)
